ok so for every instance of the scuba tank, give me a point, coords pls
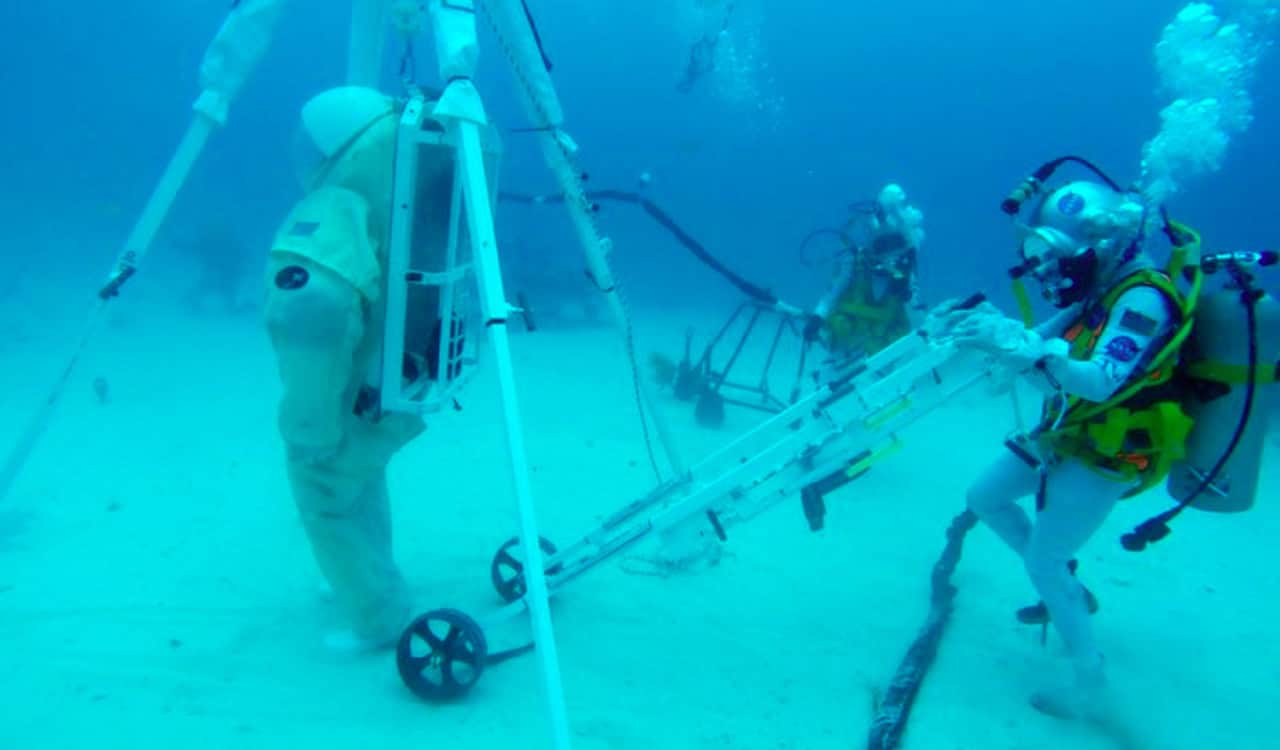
(1218, 368)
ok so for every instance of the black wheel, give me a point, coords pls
(441, 655)
(507, 569)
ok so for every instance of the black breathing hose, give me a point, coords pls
(754, 291)
(810, 237)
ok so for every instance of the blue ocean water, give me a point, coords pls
(955, 101)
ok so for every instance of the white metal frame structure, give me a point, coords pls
(427, 356)
(826, 439)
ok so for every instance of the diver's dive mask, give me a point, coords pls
(879, 241)
(1065, 270)
(889, 255)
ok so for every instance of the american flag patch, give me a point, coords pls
(304, 228)
(1134, 321)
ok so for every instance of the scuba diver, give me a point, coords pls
(702, 55)
(874, 297)
(325, 310)
(1123, 381)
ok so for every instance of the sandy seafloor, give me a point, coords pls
(156, 589)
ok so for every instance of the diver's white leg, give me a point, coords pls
(353, 549)
(995, 495)
(1077, 502)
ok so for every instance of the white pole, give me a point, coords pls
(35, 428)
(231, 57)
(367, 42)
(462, 111)
(157, 208)
(494, 307)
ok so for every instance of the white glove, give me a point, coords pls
(944, 316)
(1014, 346)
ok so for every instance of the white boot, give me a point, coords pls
(1085, 698)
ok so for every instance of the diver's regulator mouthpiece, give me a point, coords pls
(1064, 282)
(1024, 268)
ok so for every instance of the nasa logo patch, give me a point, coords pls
(1122, 349)
(1071, 204)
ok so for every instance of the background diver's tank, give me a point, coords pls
(1219, 367)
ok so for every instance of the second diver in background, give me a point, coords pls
(874, 299)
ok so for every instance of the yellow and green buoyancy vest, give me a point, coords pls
(1142, 429)
(861, 320)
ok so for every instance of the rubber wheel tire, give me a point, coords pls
(454, 659)
(507, 573)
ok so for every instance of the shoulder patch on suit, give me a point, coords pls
(1136, 322)
(303, 228)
